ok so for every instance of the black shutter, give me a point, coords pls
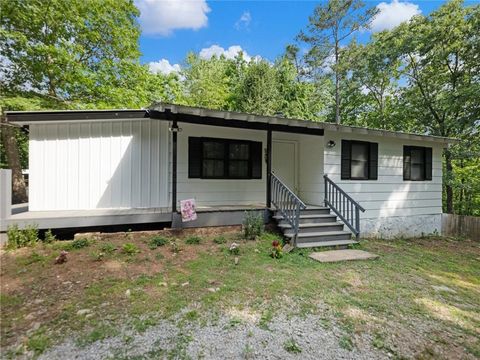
(256, 159)
(406, 163)
(373, 162)
(194, 157)
(346, 159)
(428, 163)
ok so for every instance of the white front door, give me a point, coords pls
(284, 162)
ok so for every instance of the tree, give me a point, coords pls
(440, 63)
(329, 27)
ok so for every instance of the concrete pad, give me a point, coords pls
(341, 255)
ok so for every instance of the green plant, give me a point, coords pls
(157, 241)
(80, 243)
(346, 343)
(174, 246)
(108, 248)
(292, 347)
(276, 251)
(97, 255)
(130, 249)
(220, 239)
(38, 343)
(193, 240)
(49, 237)
(253, 225)
(18, 238)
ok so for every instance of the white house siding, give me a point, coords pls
(98, 164)
(394, 207)
(217, 192)
(309, 165)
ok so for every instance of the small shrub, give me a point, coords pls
(253, 226)
(97, 255)
(157, 241)
(174, 247)
(130, 249)
(220, 239)
(80, 243)
(107, 248)
(234, 249)
(49, 237)
(276, 251)
(292, 347)
(18, 238)
(193, 240)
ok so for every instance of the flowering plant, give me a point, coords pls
(276, 251)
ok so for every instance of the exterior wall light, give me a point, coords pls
(331, 144)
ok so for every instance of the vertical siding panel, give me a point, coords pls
(105, 190)
(35, 171)
(164, 164)
(95, 164)
(154, 163)
(62, 143)
(84, 166)
(136, 163)
(127, 168)
(74, 131)
(115, 164)
(144, 164)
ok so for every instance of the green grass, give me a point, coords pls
(292, 347)
(193, 240)
(382, 297)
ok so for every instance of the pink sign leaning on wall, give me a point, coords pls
(188, 210)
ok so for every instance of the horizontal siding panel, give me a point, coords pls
(374, 214)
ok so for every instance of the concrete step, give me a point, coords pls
(314, 218)
(325, 243)
(321, 236)
(313, 227)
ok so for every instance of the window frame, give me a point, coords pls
(372, 176)
(424, 162)
(226, 159)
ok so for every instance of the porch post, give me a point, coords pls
(269, 168)
(174, 130)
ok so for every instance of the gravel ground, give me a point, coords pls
(225, 339)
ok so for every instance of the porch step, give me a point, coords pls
(321, 236)
(312, 218)
(312, 227)
(326, 243)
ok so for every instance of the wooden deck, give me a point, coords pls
(63, 219)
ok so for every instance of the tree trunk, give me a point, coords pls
(448, 186)
(337, 85)
(19, 191)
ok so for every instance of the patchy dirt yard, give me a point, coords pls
(184, 295)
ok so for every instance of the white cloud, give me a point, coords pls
(230, 53)
(163, 66)
(393, 14)
(244, 21)
(161, 17)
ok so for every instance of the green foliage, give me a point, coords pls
(18, 238)
(220, 239)
(38, 343)
(253, 225)
(49, 237)
(193, 240)
(80, 243)
(157, 241)
(276, 252)
(292, 347)
(108, 248)
(130, 249)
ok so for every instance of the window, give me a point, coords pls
(210, 158)
(359, 160)
(417, 163)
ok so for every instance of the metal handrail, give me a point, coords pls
(342, 204)
(287, 203)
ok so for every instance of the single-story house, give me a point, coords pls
(318, 179)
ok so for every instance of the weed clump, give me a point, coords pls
(130, 249)
(80, 243)
(18, 238)
(253, 226)
(157, 241)
(193, 240)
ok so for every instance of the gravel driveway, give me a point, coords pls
(283, 338)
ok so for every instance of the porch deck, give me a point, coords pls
(63, 219)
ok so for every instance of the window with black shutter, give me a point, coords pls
(359, 160)
(214, 158)
(417, 163)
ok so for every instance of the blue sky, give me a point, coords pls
(170, 29)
